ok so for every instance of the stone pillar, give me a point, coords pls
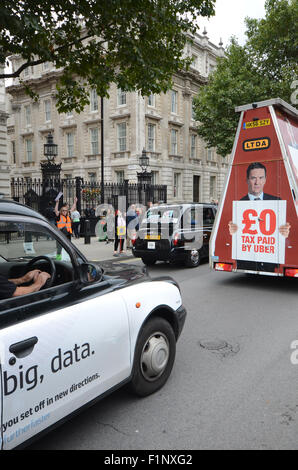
(4, 164)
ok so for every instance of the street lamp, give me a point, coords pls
(50, 169)
(50, 149)
(144, 177)
(144, 161)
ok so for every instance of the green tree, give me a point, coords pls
(263, 68)
(137, 44)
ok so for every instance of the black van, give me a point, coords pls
(178, 232)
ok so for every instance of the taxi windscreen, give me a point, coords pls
(162, 216)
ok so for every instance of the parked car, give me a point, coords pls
(178, 232)
(91, 329)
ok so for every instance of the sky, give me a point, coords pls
(229, 19)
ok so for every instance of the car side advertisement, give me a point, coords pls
(257, 228)
(70, 360)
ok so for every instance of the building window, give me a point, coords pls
(46, 65)
(174, 142)
(151, 100)
(174, 101)
(13, 152)
(28, 115)
(177, 185)
(213, 187)
(210, 154)
(47, 110)
(70, 144)
(151, 137)
(119, 176)
(155, 177)
(93, 100)
(193, 146)
(121, 137)
(194, 63)
(92, 177)
(94, 141)
(121, 98)
(29, 157)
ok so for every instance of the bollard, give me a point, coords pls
(87, 232)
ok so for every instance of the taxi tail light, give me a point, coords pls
(291, 272)
(223, 267)
(176, 239)
(134, 239)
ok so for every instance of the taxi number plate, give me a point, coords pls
(152, 237)
(151, 245)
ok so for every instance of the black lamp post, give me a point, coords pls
(50, 149)
(50, 169)
(50, 174)
(144, 177)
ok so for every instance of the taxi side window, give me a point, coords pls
(191, 218)
(208, 216)
(20, 241)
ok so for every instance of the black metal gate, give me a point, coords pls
(38, 193)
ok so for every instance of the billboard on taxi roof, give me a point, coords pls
(256, 228)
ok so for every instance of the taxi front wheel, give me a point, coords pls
(154, 357)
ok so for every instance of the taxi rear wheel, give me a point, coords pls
(193, 258)
(154, 357)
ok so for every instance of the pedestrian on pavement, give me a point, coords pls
(132, 222)
(64, 222)
(102, 227)
(76, 222)
(120, 233)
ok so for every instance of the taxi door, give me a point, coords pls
(54, 363)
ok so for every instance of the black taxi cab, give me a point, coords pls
(87, 331)
(177, 232)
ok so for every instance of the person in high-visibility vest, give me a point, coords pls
(64, 222)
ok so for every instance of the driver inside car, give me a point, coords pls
(14, 287)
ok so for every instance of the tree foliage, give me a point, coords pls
(264, 68)
(137, 44)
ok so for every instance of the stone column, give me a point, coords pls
(4, 166)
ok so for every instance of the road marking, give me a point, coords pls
(131, 260)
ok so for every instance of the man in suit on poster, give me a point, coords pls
(256, 175)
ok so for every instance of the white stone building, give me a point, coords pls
(162, 124)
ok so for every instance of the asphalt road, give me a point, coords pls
(233, 385)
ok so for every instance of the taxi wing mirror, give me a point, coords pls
(90, 273)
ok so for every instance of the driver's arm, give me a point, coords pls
(38, 282)
(30, 276)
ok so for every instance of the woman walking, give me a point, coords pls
(120, 233)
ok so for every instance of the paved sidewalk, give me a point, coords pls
(99, 251)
